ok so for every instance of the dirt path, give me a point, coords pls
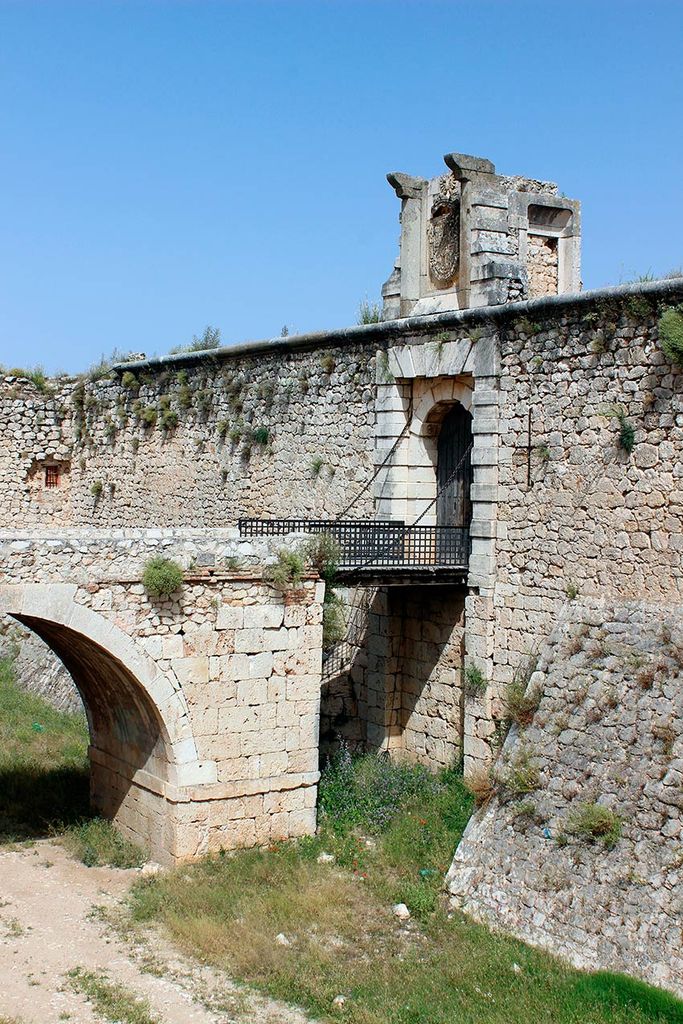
(55, 915)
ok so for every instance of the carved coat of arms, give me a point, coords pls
(443, 239)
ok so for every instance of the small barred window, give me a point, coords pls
(52, 476)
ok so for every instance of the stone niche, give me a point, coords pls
(472, 237)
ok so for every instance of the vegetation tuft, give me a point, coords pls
(475, 683)
(111, 1001)
(323, 554)
(210, 338)
(96, 842)
(627, 434)
(670, 327)
(521, 776)
(162, 577)
(261, 435)
(521, 703)
(36, 375)
(369, 312)
(594, 823)
(287, 572)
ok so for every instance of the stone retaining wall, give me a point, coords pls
(575, 511)
(609, 732)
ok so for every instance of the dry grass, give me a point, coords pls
(521, 702)
(111, 1001)
(481, 785)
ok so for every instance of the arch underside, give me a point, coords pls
(128, 750)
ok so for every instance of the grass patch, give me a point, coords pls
(44, 778)
(595, 823)
(44, 775)
(392, 830)
(112, 1001)
(521, 703)
(96, 842)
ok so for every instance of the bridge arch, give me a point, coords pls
(141, 742)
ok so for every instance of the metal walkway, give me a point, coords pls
(376, 551)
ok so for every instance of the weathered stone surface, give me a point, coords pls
(608, 731)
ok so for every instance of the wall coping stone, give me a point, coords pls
(390, 329)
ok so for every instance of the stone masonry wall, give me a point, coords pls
(542, 265)
(575, 512)
(37, 668)
(401, 688)
(198, 443)
(609, 732)
(558, 503)
(232, 760)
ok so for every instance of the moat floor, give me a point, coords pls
(58, 916)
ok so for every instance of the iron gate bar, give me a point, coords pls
(376, 543)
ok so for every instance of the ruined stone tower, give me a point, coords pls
(472, 237)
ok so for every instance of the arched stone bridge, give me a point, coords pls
(203, 708)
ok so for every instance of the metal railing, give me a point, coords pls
(377, 544)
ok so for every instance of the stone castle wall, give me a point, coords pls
(608, 731)
(298, 428)
(576, 511)
(197, 443)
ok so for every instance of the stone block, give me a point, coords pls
(230, 617)
(250, 641)
(263, 616)
(191, 670)
(252, 692)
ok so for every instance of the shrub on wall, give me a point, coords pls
(475, 683)
(627, 435)
(520, 704)
(162, 577)
(287, 572)
(671, 333)
(148, 416)
(521, 776)
(323, 553)
(260, 435)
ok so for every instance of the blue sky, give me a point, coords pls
(167, 165)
